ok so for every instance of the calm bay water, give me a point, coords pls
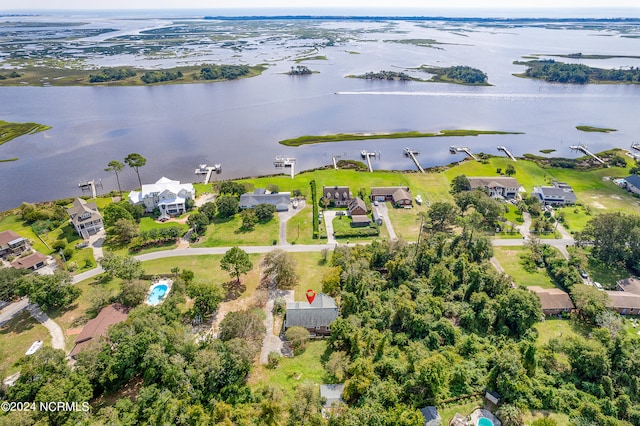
(239, 123)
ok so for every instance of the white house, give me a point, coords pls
(170, 196)
(497, 186)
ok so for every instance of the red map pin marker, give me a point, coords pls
(310, 296)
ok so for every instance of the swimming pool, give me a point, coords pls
(483, 421)
(157, 294)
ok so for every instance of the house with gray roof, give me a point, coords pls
(553, 300)
(431, 416)
(338, 196)
(332, 395)
(631, 285)
(632, 184)
(85, 218)
(315, 317)
(560, 194)
(280, 200)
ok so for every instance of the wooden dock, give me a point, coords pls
(281, 162)
(208, 171)
(91, 186)
(454, 149)
(412, 154)
(368, 156)
(582, 147)
(335, 163)
(506, 151)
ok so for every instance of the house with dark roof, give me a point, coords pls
(431, 416)
(33, 262)
(108, 316)
(337, 196)
(280, 200)
(553, 300)
(356, 206)
(12, 244)
(315, 317)
(560, 194)
(399, 196)
(632, 184)
(496, 186)
(332, 395)
(630, 285)
(85, 218)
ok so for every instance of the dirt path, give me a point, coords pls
(57, 336)
(272, 342)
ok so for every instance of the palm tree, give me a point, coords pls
(135, 161)
(116, 167)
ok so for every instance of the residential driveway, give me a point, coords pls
(57, 336)
(328, 217)
(526, 225)
(284, 218)
(271, 342)
(384, 214)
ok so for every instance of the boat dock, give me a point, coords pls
(635, 146)
(281, 162)
(91, 186)
(368, 156)
(412, 154)
(506, 151)
(335, 163)
(208, 171)
(454, 149)
(582, 147)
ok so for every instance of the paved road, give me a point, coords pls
(12, 310)
(57, 336)
(384, 214)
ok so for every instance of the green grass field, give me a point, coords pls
(509, 258)
(16, 337)
(406, 222)
(224, 233)
(9, 131)
(147, 223)
(13, 223)
(310, 269)
(300, 228)
(464, 408)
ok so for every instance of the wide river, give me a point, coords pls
(239, 123)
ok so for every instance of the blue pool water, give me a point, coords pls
(157, 294)
(483, 421)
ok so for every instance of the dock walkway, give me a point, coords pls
(506, 151)
(583, 148)
(412, 154)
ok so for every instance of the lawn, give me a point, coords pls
(229, 232)
(15, 224)
(513, 215)
(561, 419)
(465, 409)
(292, 372)
(558, 328)
(16, 337)
(575, 218)
(406, 222)
(433, 187)
(528, 173)
(148, 223)
(509, 258)
(300, 228)
(310, 269)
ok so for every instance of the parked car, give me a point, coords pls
(82, 245)
(584, 274)
(375, 203)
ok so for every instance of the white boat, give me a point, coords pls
(34, 347)
(419, 199)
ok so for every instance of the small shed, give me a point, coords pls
(376, 216)
(332, 395)
(360, 220)
(493, 397)
(431, 416)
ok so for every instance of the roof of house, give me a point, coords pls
(161, 185)
(356, 202)
(386, 190)
(81, 207)
(280, 199)
(493, 182)
(401, 194)
(623, 300)
(29, 261)
(633, 180)
(332, 393)
(330, 192)
(631, 285)
(360, 218)
(7, 237)
(109, 315)
(553, 298)
(430, 413)
(320, 313)
(559, 191)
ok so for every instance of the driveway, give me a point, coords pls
(526, 225)
(57, 336)
(271, 342)
(284, 218)
(328, 217)
(384, 214)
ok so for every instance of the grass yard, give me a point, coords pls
(433, 187)
(16, 337)
(558, 328)
(222, 233)
(15, 224)
(292, 372)
(147, 223)
(509, 258)
(528, 173)
(575, 218)
(300, 228)
(406, 222)
(310, 269)
(466, 408)
(513, 215)
(561, 419)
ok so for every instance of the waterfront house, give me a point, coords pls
(315, 317)
(560, 194)
(32, 262)
(431, 416)
(496, 186)
(632, 184)
(169, 196)
(280, 200)
(109, 315)
(12, 244)
(85, 218)
(357, 206)
(336, 196)
(399, 196)
(553, 300)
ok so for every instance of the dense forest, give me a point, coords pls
(216, 72)
(150, 77)
(385, 75)
(111, 74)
(550, 70)
(457, 74)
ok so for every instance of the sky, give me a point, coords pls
(300, 4)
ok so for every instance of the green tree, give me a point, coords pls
(460, 183)
(280, 266)
(208, 209)
(132, 293)
(198, 222)
(126, 268)
(135, 161)
(245, 325)
(510, 170)
(517, 310)
(50, 291)
(306, 407)
(206, 297)
(227, 206)
(8, 279)
(265, 212)
(249, 219)
(331, 281)
(590, 301)
(230, 187)
(236, 261)
(510, 415)
(113, 212)
(116, 167)
(298, 336)
(123, 231)
(442, 215)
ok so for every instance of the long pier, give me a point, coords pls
(290, 162)
(208, 171)
(582, 147)
(91, 185)
(506, 151)
(368, 156)
(453, 149)
(412, 154)
(335, 164)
